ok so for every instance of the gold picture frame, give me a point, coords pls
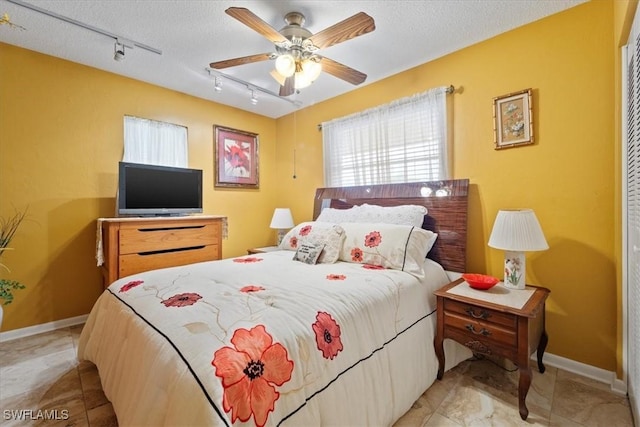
(513, 119)
(237, 162)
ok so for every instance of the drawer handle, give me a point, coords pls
(484, 314)
(482, 331)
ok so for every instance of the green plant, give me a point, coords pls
(8, 227)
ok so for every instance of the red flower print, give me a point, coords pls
(249, 371)
(247, 260)
(131, 285)
(373, 267)
(372, 239)
(251, 288)
(236, 155)
(356, 255)
(336, 276)
(305, 230)
(181, 300)
(293, 242)
(327, 335)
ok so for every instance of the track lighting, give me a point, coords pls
(218, 84)
(118, 51)
(219, 77)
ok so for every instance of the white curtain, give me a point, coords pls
(155, 143)
(403, 141)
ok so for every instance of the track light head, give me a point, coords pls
(118, 51)
(254, 98)
(218, 84)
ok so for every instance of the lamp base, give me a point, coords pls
(281, 234)
(514, 270)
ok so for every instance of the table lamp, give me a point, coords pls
(516, 231)
(281, 221)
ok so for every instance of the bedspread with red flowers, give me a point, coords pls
(261, 340)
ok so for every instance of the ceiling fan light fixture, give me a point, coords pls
(301, 80)
(286, 65)
(311, 69)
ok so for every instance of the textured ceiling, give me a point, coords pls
(193, 33)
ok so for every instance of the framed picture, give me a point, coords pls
(236, 158)
(513, 120)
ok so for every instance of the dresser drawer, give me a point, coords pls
(136, 263)
(479, 313)
(151, 239)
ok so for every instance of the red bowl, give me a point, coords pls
(480, 281)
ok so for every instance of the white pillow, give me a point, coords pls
(337, 216)
(399, 247)
(403, 214)
(316, 233)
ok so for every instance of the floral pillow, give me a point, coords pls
(316, 233)
(398, 247)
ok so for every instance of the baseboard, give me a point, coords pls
(617, 386)
(45, 327)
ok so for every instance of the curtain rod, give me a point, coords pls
(448, 90)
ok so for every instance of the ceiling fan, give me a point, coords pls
(297, 61)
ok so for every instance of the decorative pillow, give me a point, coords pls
(399, 247)
(403, 214)
(308, 253)
(316, 233)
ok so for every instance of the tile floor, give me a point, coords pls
(42, 373)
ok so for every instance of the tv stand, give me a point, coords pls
(133, 245)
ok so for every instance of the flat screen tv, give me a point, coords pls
(151, 190)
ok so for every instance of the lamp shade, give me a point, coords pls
(282, 219)
(517, 230)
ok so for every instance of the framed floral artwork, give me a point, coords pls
(513, 120)
(236, 158)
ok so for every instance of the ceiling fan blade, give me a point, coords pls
(288, 87)
(240, 61)
(357, 25)
(341, 71)
(252, 21)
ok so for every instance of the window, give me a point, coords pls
(404, 141)
(156, 143)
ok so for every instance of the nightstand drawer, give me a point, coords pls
(479, 313)
(479, 344)
(483, 330)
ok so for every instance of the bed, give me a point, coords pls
(336, 328)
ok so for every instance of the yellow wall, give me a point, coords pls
(61, 139)
(61, 127)
(567, 177)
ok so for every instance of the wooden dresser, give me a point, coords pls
(134, 245)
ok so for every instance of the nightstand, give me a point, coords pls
(500, 322)
(254, 251)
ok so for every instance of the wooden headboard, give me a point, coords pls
(446, 202)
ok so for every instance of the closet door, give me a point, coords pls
(631, 211)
